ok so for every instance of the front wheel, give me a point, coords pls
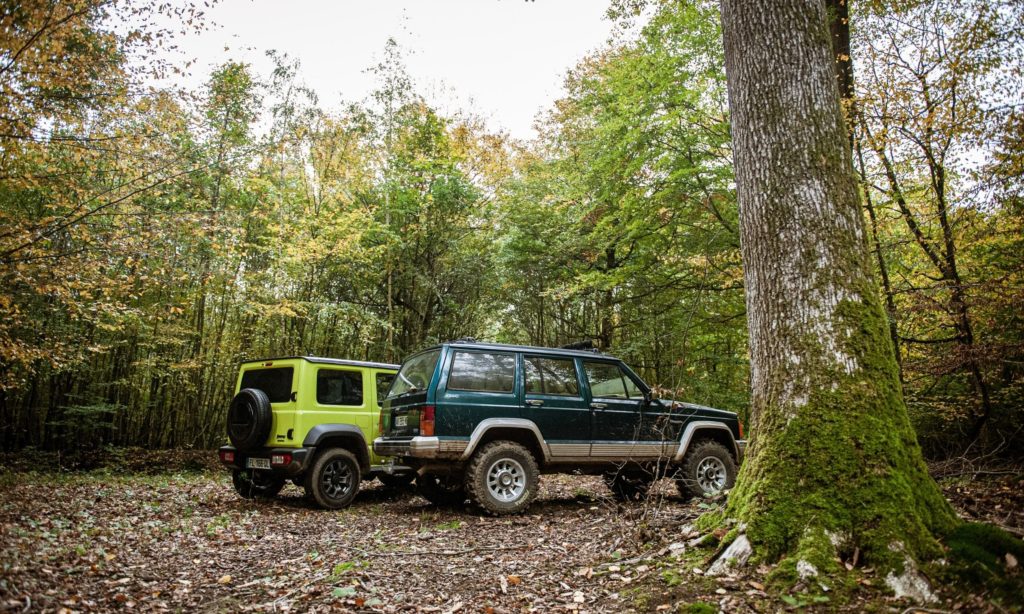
(333, 480)
(250, 484)
(708, 469)
(502, 478)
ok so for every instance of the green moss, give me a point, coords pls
(976, 558)
(845, 464)
(710, 520)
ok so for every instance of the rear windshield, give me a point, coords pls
(415, 373)
(276, 383)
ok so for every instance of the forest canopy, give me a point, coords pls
(153, 238)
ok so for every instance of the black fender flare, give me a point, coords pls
(349, 436)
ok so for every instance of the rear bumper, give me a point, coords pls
(300, 458)
(416, 447)
(741, 448)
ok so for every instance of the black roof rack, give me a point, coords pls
(586, 344)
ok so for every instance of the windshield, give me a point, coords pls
(415, 374)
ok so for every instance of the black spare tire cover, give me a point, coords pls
(249, 419)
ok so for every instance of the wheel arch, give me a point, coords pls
(518, 430)
(345, 436)
(706, 429)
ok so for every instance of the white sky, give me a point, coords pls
(504, 60)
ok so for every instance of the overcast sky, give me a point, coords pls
(502, 59)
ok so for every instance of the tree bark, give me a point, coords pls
(833, 464)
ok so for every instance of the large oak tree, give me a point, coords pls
(834, 466)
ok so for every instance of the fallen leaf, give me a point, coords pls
(756, 585)
(1011, 561)
(514, 580)
(225, 579)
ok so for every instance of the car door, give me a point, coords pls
(615, 417)
(553, 399)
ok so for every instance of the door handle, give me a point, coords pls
(598, 405)
(534, 402)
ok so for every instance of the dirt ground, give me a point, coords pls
(99, 541)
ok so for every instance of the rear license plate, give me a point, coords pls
(257, 463)
(401, 420)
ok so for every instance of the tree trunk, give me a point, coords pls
(833, 463)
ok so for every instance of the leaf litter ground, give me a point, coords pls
(102, 541)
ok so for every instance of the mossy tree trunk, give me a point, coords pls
(833, 466)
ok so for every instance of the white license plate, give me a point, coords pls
(401, 420)
(257, 463)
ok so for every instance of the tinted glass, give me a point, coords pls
(486, 372)
(605, 380)
(276, 383)
(339, 387)
(551, 376)
(383, 383)
(415, 374)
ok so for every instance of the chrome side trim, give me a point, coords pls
(633, 449)
(693, 427)
(569, 449)
(516, 423)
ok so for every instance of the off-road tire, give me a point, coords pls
(706, 462)
(250, 484)
(333, 480)
(249, 419)
(502, 478)
(442, 490)
(629, 485)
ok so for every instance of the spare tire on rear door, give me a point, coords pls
(249, 419)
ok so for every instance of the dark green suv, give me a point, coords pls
(484, 420)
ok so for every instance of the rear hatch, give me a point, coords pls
(277, 379)
(409, 396)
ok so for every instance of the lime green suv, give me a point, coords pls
(309, 420)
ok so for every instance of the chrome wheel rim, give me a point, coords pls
(506, 480)
(337, 479)
(711, 474)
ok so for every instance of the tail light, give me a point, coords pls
(279, 460)
(227, 456)
(741, 427)
(427, 421)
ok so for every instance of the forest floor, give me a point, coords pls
(154, 538)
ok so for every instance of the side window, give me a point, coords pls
(631, 388)
(334, 387)
(605, 380)
(482, 371)
(551, 376)
(384, 384)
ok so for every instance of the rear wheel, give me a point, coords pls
(250, 484)
(333, 480)
(708, 469)
(443, 490)
(502, 478)
(629, 485)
